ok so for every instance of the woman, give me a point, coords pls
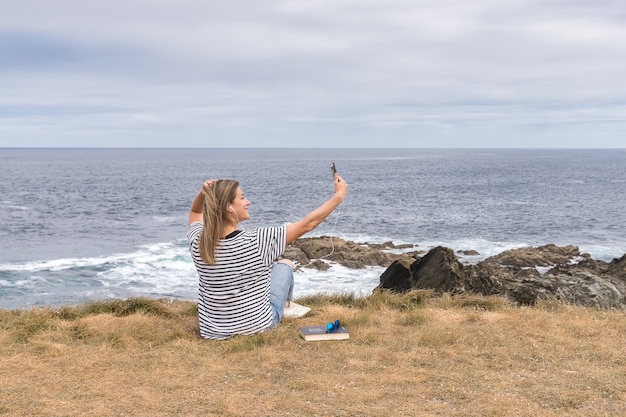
(243, 287)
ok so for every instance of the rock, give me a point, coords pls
(617, 269)
(603, 282)
(470, 252)
(439, 270)
(346, 253)
(616, 273)
(580, 288)
(547, 255)
(397, 278)
(296, 255)
(389, 245)
(319, 265)
(514, 274)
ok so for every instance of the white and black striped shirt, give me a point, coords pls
(234, 294)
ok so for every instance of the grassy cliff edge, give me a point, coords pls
(408, 355)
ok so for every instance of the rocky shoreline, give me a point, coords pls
(524, 275)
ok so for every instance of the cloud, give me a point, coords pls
(323, 73)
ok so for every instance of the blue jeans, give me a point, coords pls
(281, 290)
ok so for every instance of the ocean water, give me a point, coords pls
(85, 224)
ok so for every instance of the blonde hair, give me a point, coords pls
(215, 217)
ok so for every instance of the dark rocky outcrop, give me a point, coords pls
(567, 275)
(439, 270)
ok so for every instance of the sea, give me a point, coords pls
(85, 224)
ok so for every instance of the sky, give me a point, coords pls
(313, 73)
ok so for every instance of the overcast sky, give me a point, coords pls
(313, 73)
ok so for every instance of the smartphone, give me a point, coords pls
(333, 169)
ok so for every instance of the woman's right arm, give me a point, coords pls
(317, 216)
(195, 213)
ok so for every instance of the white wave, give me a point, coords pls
(335, 280)
(601, 252)
(54, 265)
(143, 254)
(20, 283)
(8, 204)
(166, 219)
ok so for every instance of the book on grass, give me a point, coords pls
(313, 333)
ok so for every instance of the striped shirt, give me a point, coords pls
(234, 294)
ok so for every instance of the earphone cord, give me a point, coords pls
(332, 245)
(332, 250)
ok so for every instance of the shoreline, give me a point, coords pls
(351, 268)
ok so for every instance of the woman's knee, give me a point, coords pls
(288, 262)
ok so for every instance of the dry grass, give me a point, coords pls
(409, 355)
